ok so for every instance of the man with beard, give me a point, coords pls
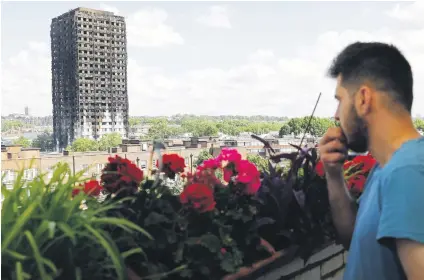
(385, 232)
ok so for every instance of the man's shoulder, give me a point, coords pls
(410, 155)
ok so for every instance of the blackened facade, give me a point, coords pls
(89, 75)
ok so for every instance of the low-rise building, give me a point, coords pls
(16, 158)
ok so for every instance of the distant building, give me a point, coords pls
(26, 111)
(89, 75)
(14, 158)
(139, 130)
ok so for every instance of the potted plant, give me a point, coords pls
(57, 229)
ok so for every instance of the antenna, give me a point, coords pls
(310, 120)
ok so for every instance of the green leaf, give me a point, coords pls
(187, 273)
(121, 223)
(44, 226)
(227, 265)
(111, 250)
(155, 218)
(133, 251)
(111, 206)
(67, 230)
(204, 270)
(171, 236)
(16, 255)
(20, 273)
(37, 256)
(17, 227)
(51, 227)
(179, 253)
(50, 264)
(78, 274)
(209, 241)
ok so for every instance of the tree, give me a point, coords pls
(159, 130)
(109, 140)
(24, 142)
(319, 125)
(298, 126)
(203, 155)
(8, 125)
(44, 141)
(134, 121)
(284, 130)
(84, 145)
(260, 162)
(419, 124)
(200, 127)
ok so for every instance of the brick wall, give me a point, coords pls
(327, 264)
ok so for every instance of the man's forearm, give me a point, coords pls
(343, 209)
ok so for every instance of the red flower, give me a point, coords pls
(199, 197)
(248, 174)
(348, 164)
(223, 251)
(230, 155)
(357, 183)
(176, 163)
(121, 173)
(319, 169)
(92, 188)
(228, 173)
(75, 191)
(367, 162)
(205, 173)
(211, 163)
(172, 164)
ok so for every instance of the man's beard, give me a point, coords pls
(357, 139)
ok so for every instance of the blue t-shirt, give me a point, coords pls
(391, 207)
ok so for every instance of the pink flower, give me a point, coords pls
(210, 163)
(249, 175)
(230, 155)
(228, 173)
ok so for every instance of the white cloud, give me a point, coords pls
(262, 55)
(409, 12)
(266, 83)
(147, 28)
(217, 17)
(40, 47)
(26, 80)
(106, 7)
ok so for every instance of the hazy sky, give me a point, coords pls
(245, 58)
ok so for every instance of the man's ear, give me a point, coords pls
(363, 101)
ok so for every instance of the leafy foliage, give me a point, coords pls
(109, 141)
(228, 215)
(105, 142)
(83, 145)
(260, 162)
(297, 125)
(24, 142)
(208, 232)
(203, 155)
(10, 125)
(44, 141)
(47, 235)
(419, 124)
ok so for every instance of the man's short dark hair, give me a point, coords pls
(382, 65)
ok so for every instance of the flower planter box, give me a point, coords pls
(326, 263)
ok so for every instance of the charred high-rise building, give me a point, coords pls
(89, 75)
